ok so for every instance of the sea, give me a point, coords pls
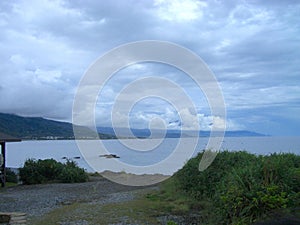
(140, 156)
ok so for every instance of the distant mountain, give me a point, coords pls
(40, 128)
(243, 133)
(146, 133)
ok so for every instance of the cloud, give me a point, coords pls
(179, 11)
(251, 46)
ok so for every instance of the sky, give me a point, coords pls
(252, 48)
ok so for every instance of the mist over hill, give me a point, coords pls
(146, 133)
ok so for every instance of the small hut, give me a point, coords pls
(3, 139)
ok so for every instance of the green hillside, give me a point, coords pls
(40, 128)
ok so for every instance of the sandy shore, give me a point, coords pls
(133, 179)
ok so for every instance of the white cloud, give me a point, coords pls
(189, 120)
(261, 97)
(180, 10)
(253, 48)
(50, 76)
(166, 119)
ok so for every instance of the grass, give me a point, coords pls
(172, 200)
(147, 208)
(238, 188)
(8, 184)
(141, 211)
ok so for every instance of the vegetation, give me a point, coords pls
(11, 176)
(71, 173)
(49, 170)
(238, 188)
(133, 212)
(40, 128)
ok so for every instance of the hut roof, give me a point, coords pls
(8, 138)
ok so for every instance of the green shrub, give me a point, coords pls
(171, 223)
(244, 187)
(247, 199)
(11, 176)
(30, 173)
(204, 184)
(71, 173)
(49, 170)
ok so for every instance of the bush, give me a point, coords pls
(72, 174)
(11, 176)
(30, 173)
(49, 170)
(244, 187)
(205, 184)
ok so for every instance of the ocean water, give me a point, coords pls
(149, 156)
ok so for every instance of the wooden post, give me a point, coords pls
(2, 169)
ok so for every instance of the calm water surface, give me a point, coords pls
(17, 153)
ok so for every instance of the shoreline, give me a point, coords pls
(134, 179)
(123, 178)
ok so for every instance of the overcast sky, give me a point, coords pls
(252, 47)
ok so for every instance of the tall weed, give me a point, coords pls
(242, 186)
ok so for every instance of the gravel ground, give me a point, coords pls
(36, 200)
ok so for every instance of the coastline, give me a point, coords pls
(134, 179)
